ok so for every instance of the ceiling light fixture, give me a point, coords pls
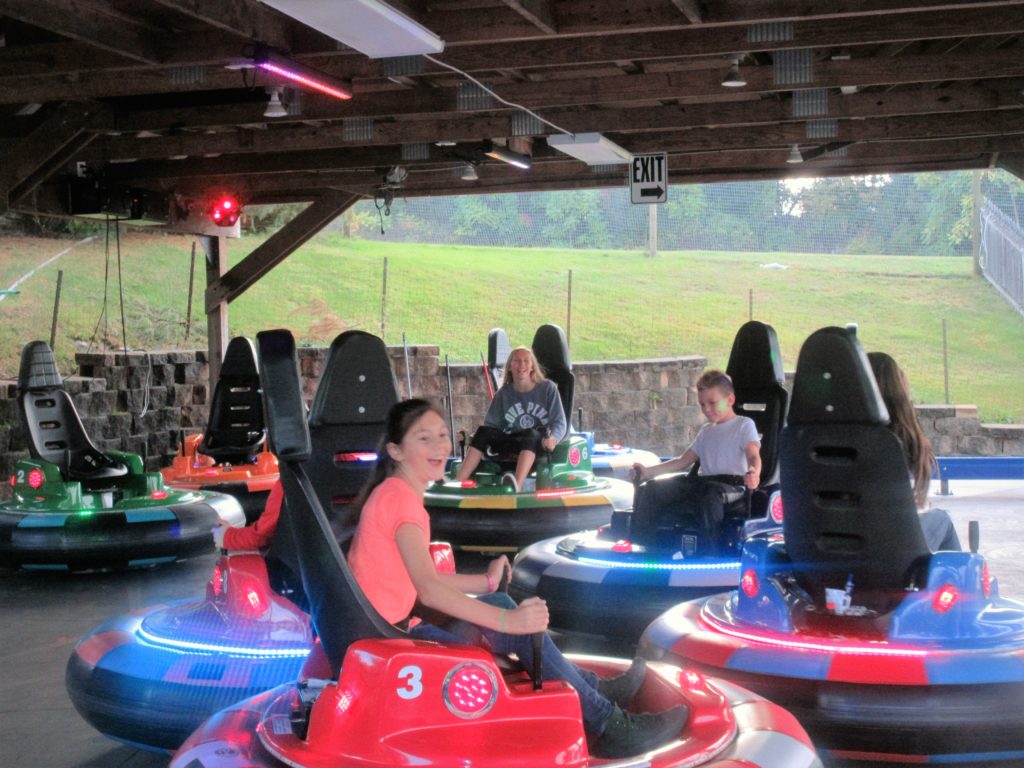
(506, 155)
(591, 148)
(276, 64)
(734, 79)
(468, 172)
(370, 26)
(794, 155)
(274, 107)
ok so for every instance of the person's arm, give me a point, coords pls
(438, 593)
(557, 423)
(479, 583)
(259, 534)
(493, 417)
(678, 464)
(753, 453)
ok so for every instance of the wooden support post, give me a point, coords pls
(216, 315)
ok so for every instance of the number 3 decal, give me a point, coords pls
(412, 675)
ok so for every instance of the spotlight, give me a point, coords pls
(734, 79)
(794, 155)
(506, 155)
(468, 172)
(274, 107)
(225, 211)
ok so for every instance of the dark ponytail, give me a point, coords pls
(400, 419)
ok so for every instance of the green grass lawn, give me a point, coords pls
(624, 304)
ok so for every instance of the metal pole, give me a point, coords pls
(191, 283)
(56, 308)
(384, 298)
(945, 359)
(976, 221)
(451, 403)
(568, 312)
(408, 373)
(652, 231)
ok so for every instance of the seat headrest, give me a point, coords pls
(551, 350)
(834, 383)
(498, 350)
(756, 359)
(282, 395)
(357, 383)
(38, 368)
(240, 359)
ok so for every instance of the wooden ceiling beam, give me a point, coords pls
(53, 143)
(536, 12)
(278, 247)
(87, 22)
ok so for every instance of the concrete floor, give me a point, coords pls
(44, 615)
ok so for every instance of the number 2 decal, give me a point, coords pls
(412, 676)
(21, 475)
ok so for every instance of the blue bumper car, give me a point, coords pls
(884, 650)
(151, 677)
(76, 508)
(613, 581)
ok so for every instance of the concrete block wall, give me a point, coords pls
(140, 401)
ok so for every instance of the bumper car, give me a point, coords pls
(151, 677)
(561, 495)
(232, 455)
(77, 508)
(371, 696)
(615, 580)
(883, 650)
(606, 459)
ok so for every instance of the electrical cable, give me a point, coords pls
(506, 102)
(106, 280)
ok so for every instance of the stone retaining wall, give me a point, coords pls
(140, 403)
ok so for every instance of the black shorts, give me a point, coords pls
(495, 444)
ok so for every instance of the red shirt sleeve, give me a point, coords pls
(259, 534)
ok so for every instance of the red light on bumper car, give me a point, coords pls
(35, 479)
(552, 493)
(470, 690)
(945, 598)
(986, 581)
(468, 484)
(623, 545)
(218, 581)
(355, 456)
(574, 457)
(158, 495)
(749, 583)
(776, 509)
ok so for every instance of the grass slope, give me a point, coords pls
(624, 304)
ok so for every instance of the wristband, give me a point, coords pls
(491, 586)
(503, 612)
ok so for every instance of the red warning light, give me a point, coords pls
(225, 211)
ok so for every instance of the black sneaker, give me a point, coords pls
(622, 688)
(628, 733)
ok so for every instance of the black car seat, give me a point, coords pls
(55, 430)
(755, 367)
(235, 431)
(339, 611)
(850, 510)
(498, 350)
(346, 421)
(357, 387)
(552, 352)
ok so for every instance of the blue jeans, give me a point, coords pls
(596, 708)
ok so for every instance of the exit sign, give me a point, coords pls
(648, 178)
